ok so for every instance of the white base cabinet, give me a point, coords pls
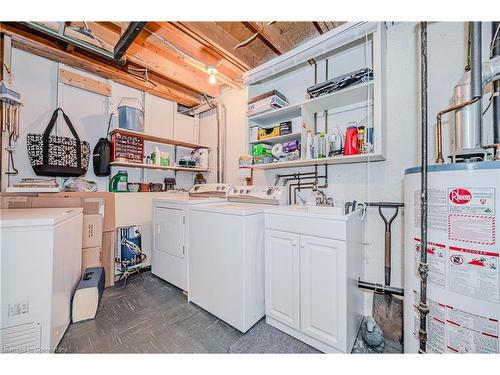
(282, 277)
(311, 281)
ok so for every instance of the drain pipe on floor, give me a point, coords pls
(423, 267)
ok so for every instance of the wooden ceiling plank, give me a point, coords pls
(149, 56)
(192, 47)
(53, 51)
(152, 43)
(271, 36)
(213, 35)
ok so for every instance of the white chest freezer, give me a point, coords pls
(40, 260)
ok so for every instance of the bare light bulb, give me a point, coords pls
(212, 75)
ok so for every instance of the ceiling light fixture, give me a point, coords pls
(212, 75)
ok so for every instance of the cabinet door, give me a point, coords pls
(322, 290)
(282, 277)
(169, 231)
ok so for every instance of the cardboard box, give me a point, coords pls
(91, 257)
(15, 201)
(49, 202)
(109, 206)
(108, 257)
(92, 230)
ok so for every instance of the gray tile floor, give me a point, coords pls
(149, 316)
(153, 316)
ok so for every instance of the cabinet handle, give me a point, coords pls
(294, 243)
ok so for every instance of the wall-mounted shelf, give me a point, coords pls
(363, 103)
(276, 116)
(279, 138)
(336, 100)
(361, 158)
(155, 139)
(158, 167)
(13, 189)
(339, 99)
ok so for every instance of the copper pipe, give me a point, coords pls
(439, 158)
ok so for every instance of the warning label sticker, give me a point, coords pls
(470, 333)
(476, 229)
(437, 209)
(456, 331)
(471, 201)
(436, 255)
(474, 273)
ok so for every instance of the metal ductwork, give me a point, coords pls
(468, 120)
(127, 38)
(468, 104)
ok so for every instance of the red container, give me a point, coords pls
(351, 141)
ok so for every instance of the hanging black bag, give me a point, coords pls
(52, 155)
(101, 156)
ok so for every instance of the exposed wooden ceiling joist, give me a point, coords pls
(271, 36)
(153, 57)
(192, 47)
(55, 51)
(216, 37)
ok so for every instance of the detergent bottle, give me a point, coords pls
(351, 141)
(118, 182)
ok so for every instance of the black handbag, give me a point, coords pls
(52, 155)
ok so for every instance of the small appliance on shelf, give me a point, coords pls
(266, 102)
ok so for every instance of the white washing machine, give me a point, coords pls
(226, 255)
(170, 233)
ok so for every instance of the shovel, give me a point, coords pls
(387, 305)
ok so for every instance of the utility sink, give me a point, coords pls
(306, 210)
(321, 221)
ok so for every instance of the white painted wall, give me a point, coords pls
(381, 181)
(37, 80)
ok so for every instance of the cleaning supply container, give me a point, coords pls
(118, 182)
(131, 115)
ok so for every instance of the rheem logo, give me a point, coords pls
(460, 196)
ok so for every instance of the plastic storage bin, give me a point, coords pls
(131, 115)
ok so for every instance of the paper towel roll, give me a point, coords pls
(277, 150)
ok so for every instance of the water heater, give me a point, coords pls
(462, 255)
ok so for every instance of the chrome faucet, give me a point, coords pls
(321, 198)
(301, 199)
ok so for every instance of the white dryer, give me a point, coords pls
(170, 233)
(226, 255)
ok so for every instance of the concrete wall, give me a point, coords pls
(383, 181)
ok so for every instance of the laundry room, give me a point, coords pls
(212, 185)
